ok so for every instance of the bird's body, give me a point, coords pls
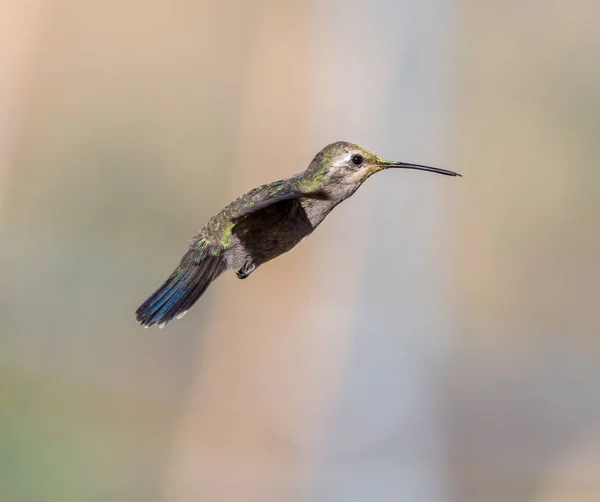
(263, 224)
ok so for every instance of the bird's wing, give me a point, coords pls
(278, 197)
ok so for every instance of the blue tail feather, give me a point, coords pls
(180, 291)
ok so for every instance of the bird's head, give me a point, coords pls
(342, 167)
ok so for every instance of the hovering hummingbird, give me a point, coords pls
(263, 224)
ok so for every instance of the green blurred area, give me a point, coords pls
(64, 441)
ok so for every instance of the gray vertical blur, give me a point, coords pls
(384, 440)
(436, 339)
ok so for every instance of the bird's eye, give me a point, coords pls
(357, 160)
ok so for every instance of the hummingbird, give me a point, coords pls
(263, 224)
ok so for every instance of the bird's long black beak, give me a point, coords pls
(404, 165)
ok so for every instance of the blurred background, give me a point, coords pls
(435, 339)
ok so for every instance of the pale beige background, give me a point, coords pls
(435, 340)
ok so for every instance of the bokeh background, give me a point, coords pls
(436, 339)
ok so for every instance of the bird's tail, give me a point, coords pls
(180, 291)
